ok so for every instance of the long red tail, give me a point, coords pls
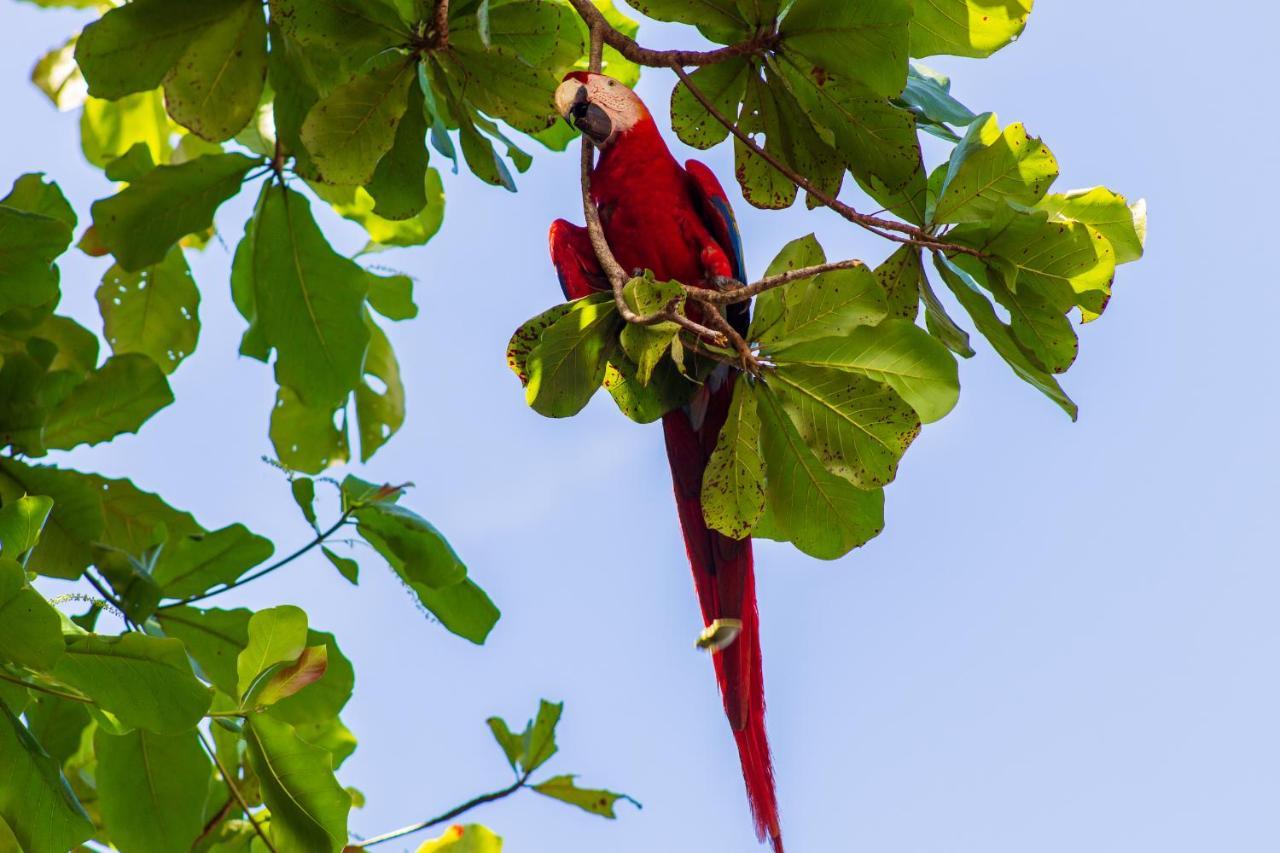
(725, 580)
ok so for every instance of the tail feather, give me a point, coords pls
(723, 574)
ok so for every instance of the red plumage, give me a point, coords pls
(677, 222)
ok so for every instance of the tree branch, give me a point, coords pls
(898, 232)
(447, 816)
(440, 25)
(664, 58)
(742, 294)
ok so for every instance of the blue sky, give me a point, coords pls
(1066, 638)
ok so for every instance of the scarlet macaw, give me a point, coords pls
(677, 222)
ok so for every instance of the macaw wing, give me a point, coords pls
(717, 215)
(575, 260)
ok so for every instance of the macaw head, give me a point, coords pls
(599, 106)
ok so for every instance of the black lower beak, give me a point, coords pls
(589, 118)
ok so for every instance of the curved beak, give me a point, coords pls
(590, 119)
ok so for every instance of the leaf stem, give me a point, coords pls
(235, 792)
(447, 816)
(278, 564)
(40, 688)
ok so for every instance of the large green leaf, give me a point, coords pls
(896, 352)
(76, 520)
(356, 204)
(349, 130)
(1123, 224)
(415, 549)
(379, 413)
(108, 129)
(42, 813)
(991, 167)
(132, 47)
(152, 789)
(276, 635)
(215, 86)
(733, 495)
(30, 630)
(308, 806)
(29, 244)
(21, 521)
(862, 41)
(141, 222)
(463, 608)
(711, 13)
(117, 398)
(145, 681)
(822, 514)
(308, 438)
(306, 300)
(966, 27)
(214, 638)
(190, 565)
(155, 311)
(398, 186)
(347, 32)
(1000, 336)
(566, 367)
(724, 84)
(32, 193)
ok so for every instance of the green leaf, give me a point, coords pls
(346, 566)
(568, 364)
(667, 389)
(379, 413)
(526, 339)
(763, 185)
(190, 565)
(307, 301)
(131, 165)
(511, 743)
(392, 296)
(109, 129)
(33, 194)
(330, 735)
(928, 94)
(724, 84)
(711, 13)
(598, 802)
(733, 495)
(966, 27)
(30, 629)
(398, 186)
(303, 490)
(917, 366)
(464, 838)
(830, 304)
(990, 168)
(415, 549)
(308, 806)
(540, 736)
(463, 608)
(352, 31)
(136, 520)
(29, 244)
(76, 520)
(645, 345)
(770, 309)
(899, 278)
(356, 204)
(215, 86)
(145, 681)
(865, 41)
(21, 521)
(57, 75)
(117, 398)
(214, 638)
(824, 515)
(141, 222)
(276, 635)
(306, 438)
(1123, 224)
(36, 803)
(152, 789)
(131, 48)
(1000, 336)
(58, 724)
(940, 324)
(349, 130)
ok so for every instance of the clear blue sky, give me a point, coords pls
(1066, 639)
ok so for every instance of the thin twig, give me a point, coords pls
(628, 47)
(447, 816)
(284, 561)
(908, 234)
(40, 688)
(235, 792)
(218, 818)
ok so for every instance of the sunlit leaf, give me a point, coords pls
(277, 634)
(21, 521)
(991, 167)
(1122, 223)
(966, 27)
(36, 802)
(306, 438)
(863, 41)
(598, 802)
(155, 312)
(308, 806)
(76, 520)
(57, 75)
(108, 129)
(152, 789)
(460, 838)
(215, 86)
(567, 366)
(30, 630)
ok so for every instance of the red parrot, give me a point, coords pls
(677, 222)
